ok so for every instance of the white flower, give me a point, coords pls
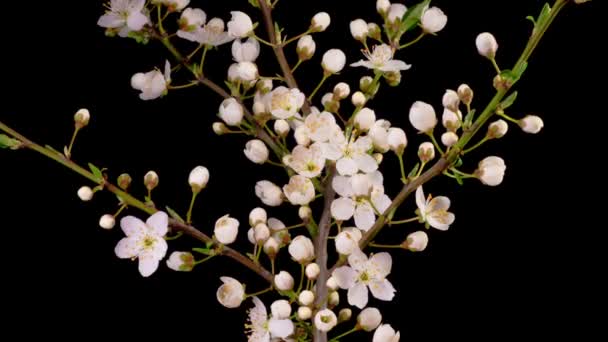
(257, 215)
(320, 22)
(231, 112)
(433, 20)
(299, 191)
(271, 247)
(281, 127)
(256, 151)
(226, 229)
(325, 320)
(359, 29)
(381, 58)
(379, 134)
(107, 221)
(486, 45)
(363, 273)
(198, 179)
(416, 241)
(396, 12)
(262, 329)
(498, 129)
(152, 84)
(319, 127)
(312, 271)
(347, 241)
(85, 193)
(385, 333)
(397, 141)
(451, 120)
(144, 241)
(247, 51)
(231, 294)
(306, 47)
(301, 249)
(369, 319)
(181, 261)
(434, 211)
(212, 34)
(261, 233)
(191, 20)
(382, 6)
(333, 61)
(306, 298)
(423, 117)
(308, 162)
(304, 313)
(491, 171)
(124, 16)
(451, 100)
(269, 193)
(283, 281)
(354, 157)
(240, 26)
(284, 103)
(280, 309)
(365, 119)
(531, 124)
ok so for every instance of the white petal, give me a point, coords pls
(110, 20)
(159, 223)
(357, 260)
(127, 248)
(381, 202)
(342, 208)
(382, 263)
(357, 295)
(364, 216)
(147, 265)
(382, 290)
(160, 248)
(442, 223)
(366, 163)
(131, 225)
(363, 63)
(345, 277)
(395, 65)
(343, 186)
(347, 167)
(280, 327)
(136, 21)
(420, 200)
(439, 203)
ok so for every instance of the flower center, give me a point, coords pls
(149, 242)
(364, 277)
(381, 55)
(281, 101)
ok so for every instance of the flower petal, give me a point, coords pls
(347, 166)
(136, 21)
(364, 216)
(147, 264)
(345, 277)
(131, 225)
(357, 260)
(159, 223)
(420, 200)
(366, 163)
(357, 295)
(342, 208)
(128, 248)
(280, 328)
(382, 290)
(343, 186)
(110, 20)
(382, 263)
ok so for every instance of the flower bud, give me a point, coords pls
(280, 309)
(365, 119)
(358, 99)
(320, 22)
(451, 100)
(365, 83)
(426, 152)
(433, 20)
(251, 236)
(283, 281)
(256, 151)
(359, 29)
(449, 139)
(219, 128)
(396, 13)
(259, 109)
(261, 233)
(281, 127)
(345, 315)
(226, 229)
(332, 284)
(325, 320)
(124, 181)
(257, 216)
(347, 241)
(269, 193)
(231, 294)
(451, 120)
(312, 271)
(373, 31)
(304, 313)
(334, 299)
(486, 45)
(151, 180)
(264, 85)
(81, 118)
(240, 25)
(304, 213)
(271, 247)
(198, 179)
(231, 112)
(107, 221)
(369, 319)
(497, 129)
(306, 298)
(416, 241)
(465, 93)
(306, 47)
(382, 6)
(531, 124)
(397, 141)
(341, 91)
(181, 261)
(302, 249)
(393, 78)
(422, 117)
(333, 61)
(85, 193)
(491, 171)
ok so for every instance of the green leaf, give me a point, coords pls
(544, 15)
(414, 171)
(96, 172)
(175, 216)
(458, 162)
(508, 102)
(209, 244)
(469, 118)
(412, 16)
(204, 251)
(254, 3)
(531, 18)
(8, 142)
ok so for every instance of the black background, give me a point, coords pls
(506, 268)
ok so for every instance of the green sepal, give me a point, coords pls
(175, 215)
(97, 173)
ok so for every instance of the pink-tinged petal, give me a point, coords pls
(357, 295)
(364, 144)
(136, 5)
(343, 186)
(137, 21)
(332, 151)
(381, 202)
(160, 248)
(147, 265)
(381, 263)
(280, 328)
(364, 216)
(395, 65)
(363, 63)
(345, 277)
(376, 179)
(382, 290)
(420, 200)
(342, 208)
(357, 260)
(366, 163)
(159, 223)
(128, 248)
(438, 204)
(131, 225)
(110, 20)
(347, 166)
(441, 222)
(191, 36)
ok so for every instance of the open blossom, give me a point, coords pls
(319, 127)
(144, 241)
(364, 272)
(325, 320)
(231, 294)
(299, 190)
(212, 34)
(491, 171)
(191, 20)
(386, 333)
(353, 156)
(125, 16)
(269, 193)
(434, 211)
(306, 161)
(247, 51)
(152, 84)
(381, 58)
(284, 103)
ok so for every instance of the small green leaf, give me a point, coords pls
(469, 118)
(8, 142)
(204, 251)
(254, 3)
(458, 162)
(414, 171)
(508, 102)
(412, 16)
(531, 18)
(96, 172)
(174, 215)
(544, 15)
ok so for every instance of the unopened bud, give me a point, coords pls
(305, 213)
(358, 99)
(465, 93)
(107, 221)
(497, 129)
(151, 180)
(365, 83)
(85, 193)
(393, 78)
(219, 128)
(124, 181)
(426, 152)
(81, 118)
